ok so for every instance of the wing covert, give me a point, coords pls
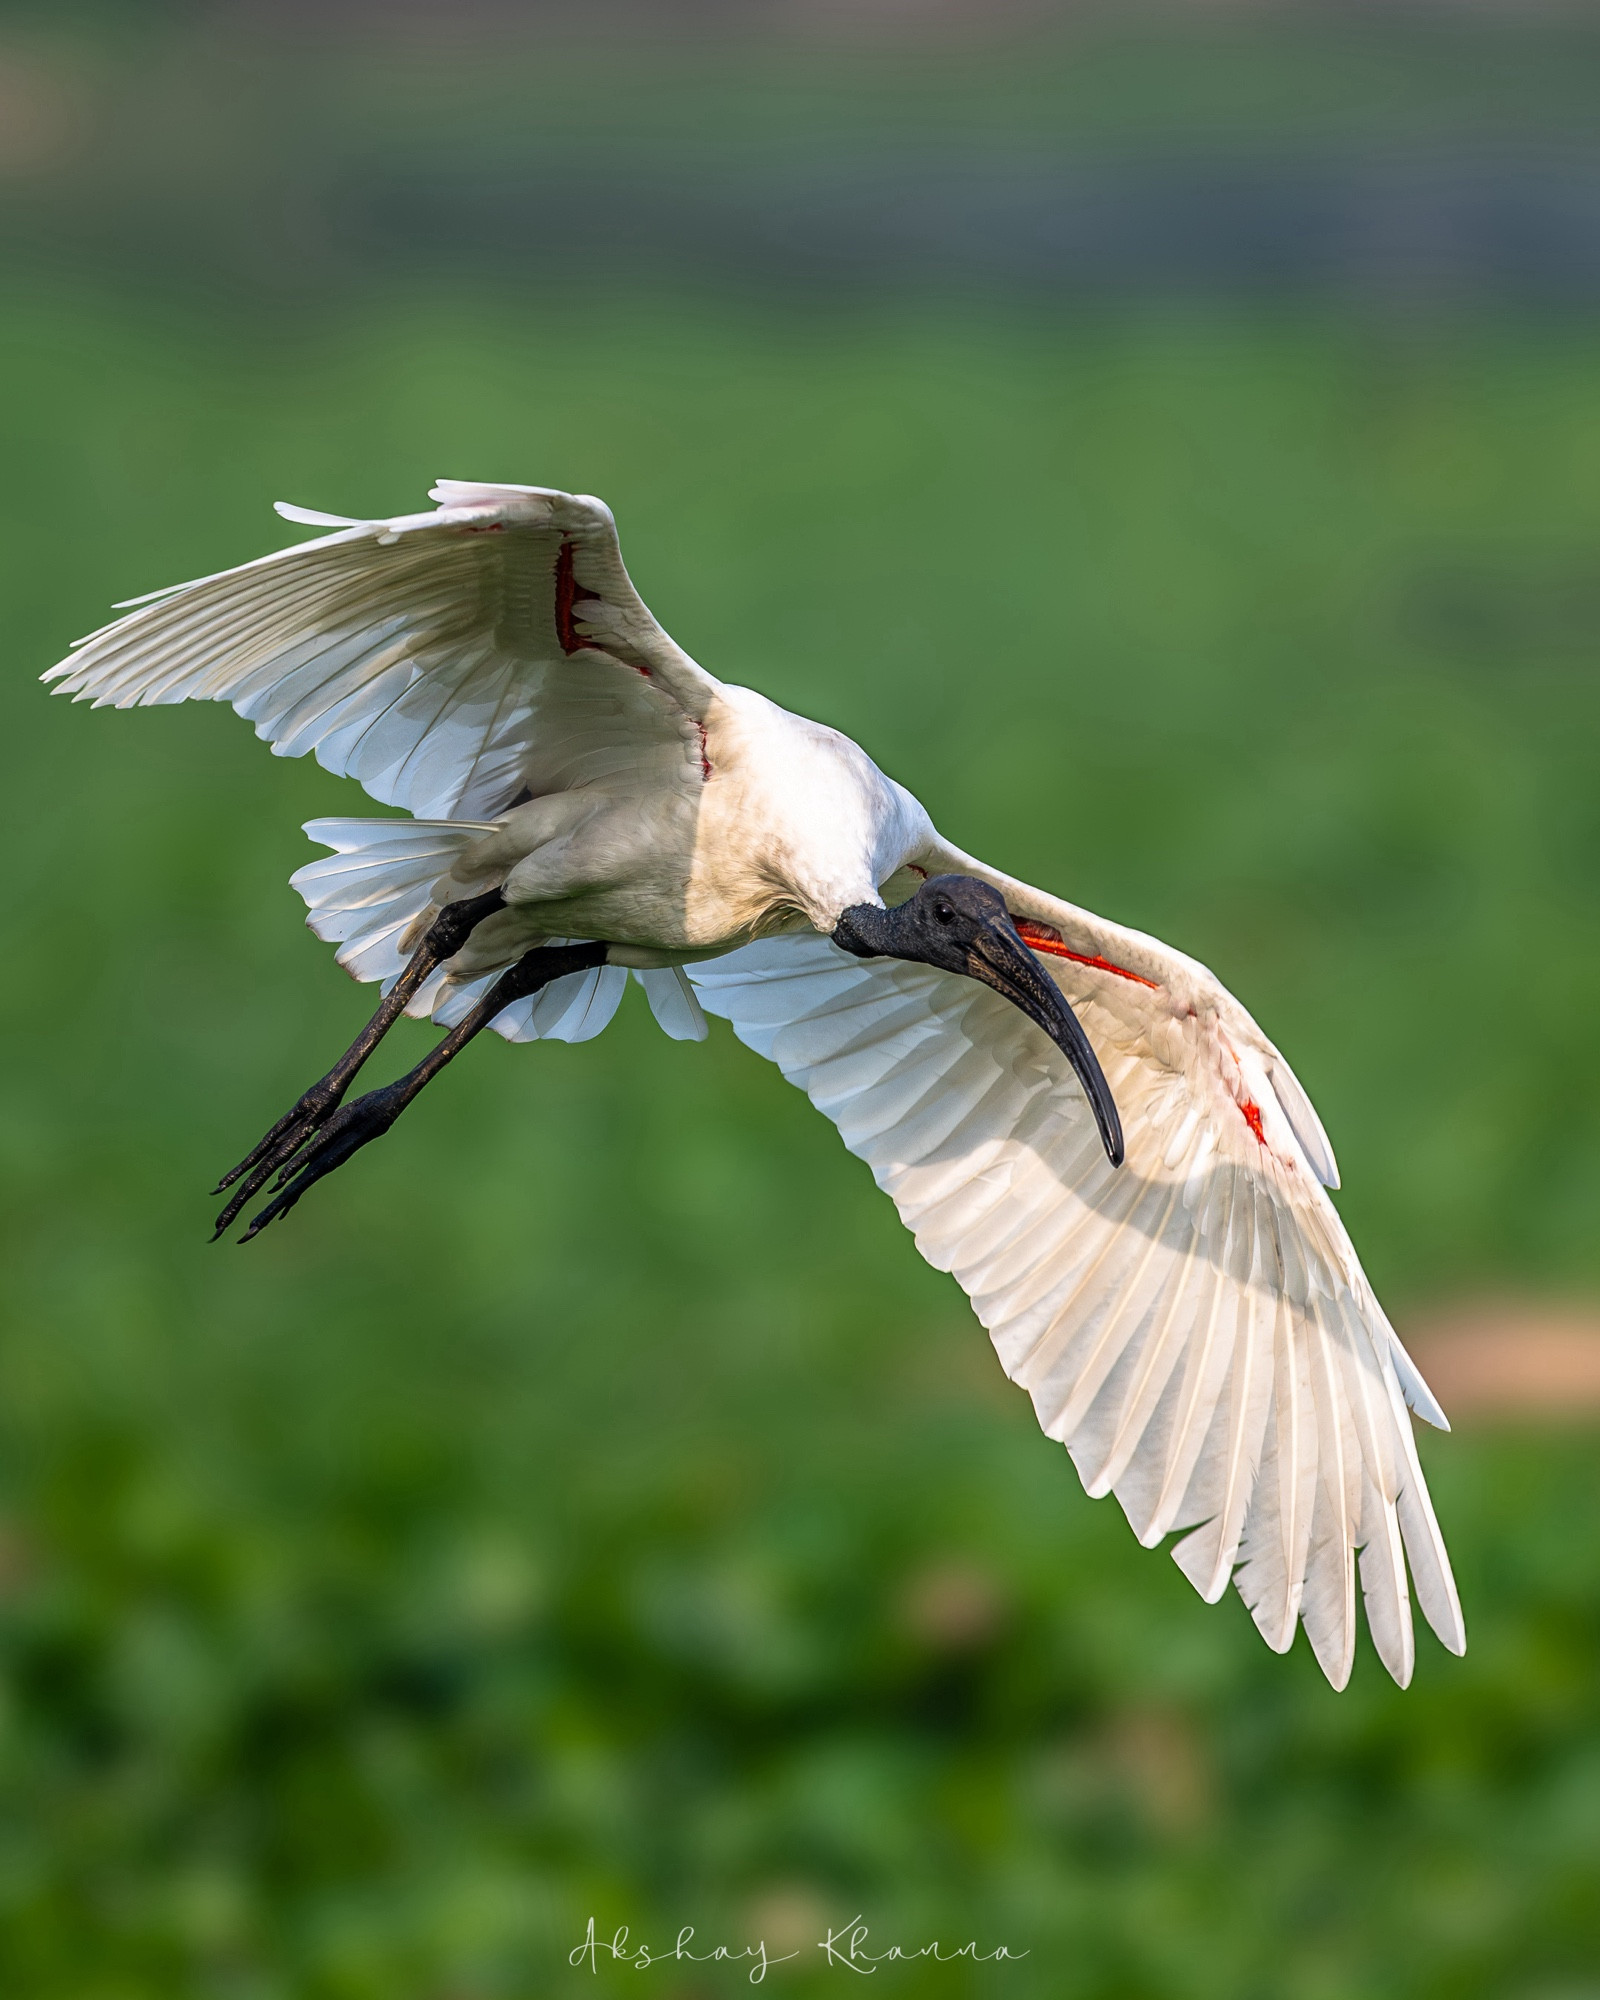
(450, 661)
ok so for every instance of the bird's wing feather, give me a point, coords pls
(1193, 1326)
(451, 661)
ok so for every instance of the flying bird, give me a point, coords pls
(1081, 1124)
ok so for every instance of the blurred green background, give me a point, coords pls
(589, 1505)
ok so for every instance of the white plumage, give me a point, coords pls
(1193, 1324)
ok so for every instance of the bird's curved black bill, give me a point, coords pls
(1000, 959)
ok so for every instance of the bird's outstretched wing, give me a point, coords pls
(1193, 1326)
(452, 661)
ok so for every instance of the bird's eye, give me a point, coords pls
(944, 913)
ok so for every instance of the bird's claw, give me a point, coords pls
(279, 1148)
(346, 1131)
(290, 1133)
(282, 1155)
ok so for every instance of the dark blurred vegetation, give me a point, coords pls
(589, 1504)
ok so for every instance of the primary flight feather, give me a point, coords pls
(1079, 1123)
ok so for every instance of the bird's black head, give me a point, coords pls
(962, 925)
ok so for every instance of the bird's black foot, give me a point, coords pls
(280, 1145)
(345, 1131)
(321, 1134)
(446, 935)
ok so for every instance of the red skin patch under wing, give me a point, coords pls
(1046, 938)
(570, 592)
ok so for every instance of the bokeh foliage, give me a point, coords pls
(588, 1504)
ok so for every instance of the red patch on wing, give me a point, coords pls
(570, 592)
(484, 528)
(705, 761)
(1250, 1111)
(1046, 938)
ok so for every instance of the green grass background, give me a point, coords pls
(545, 1522)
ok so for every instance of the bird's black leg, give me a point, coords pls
(445, 936)
(352, 1126)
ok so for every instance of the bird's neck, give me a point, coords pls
(852, 863)
(821, 827)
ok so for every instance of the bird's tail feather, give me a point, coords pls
(376, 883)
(369, 893)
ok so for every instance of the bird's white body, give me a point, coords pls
(788, 825)
(1193, 1325)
